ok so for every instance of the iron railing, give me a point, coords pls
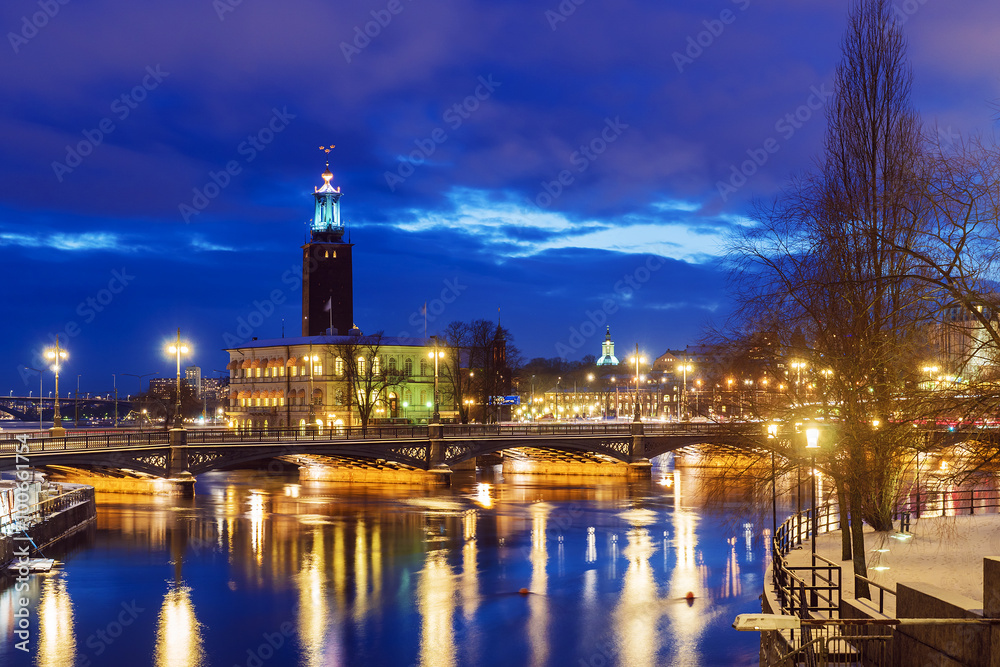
(819, 590)
(21, 517)
(828, 642)
(159, 438)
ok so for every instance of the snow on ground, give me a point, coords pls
(946, 552)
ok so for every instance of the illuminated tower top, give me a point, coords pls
(326, 224)
(608, 357)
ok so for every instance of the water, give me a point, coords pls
(261, 570)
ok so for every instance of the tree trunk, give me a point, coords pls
(858, 539)
(845, 524)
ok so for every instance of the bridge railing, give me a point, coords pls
(224, 436)
(43, 442)
(88, 441)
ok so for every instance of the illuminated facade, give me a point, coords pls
(327, 272)
(273, 385)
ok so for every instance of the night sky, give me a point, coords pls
(565, 163)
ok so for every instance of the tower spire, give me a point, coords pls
(326, 224)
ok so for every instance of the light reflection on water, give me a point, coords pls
(401, 576)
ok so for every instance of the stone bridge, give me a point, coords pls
(432, 448)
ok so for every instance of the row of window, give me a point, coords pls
(317, 400)
(295, 371)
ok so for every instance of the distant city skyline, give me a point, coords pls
(565, 167)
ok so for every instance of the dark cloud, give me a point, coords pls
(519, 190)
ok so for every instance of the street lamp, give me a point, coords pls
(637, 359)
(812, 444)
(178, 349)
(685, 368)
(772, 435)
(56, 355)
(436, 354)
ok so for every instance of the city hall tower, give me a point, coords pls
(327, 271)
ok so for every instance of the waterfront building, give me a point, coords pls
(273, 384)
(333, 374)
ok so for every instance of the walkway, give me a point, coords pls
(946, 552)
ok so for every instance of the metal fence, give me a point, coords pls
(829, 642)
(20, 518)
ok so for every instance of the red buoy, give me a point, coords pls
(523, 591)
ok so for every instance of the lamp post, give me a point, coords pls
(637, 359)
(138, 395)
(76, 417)
(772, 435)
(56, 355)
(685, 368)
(178, 349)
(436, 415)
(312, 408)
(812, 444)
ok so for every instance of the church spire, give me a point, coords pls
(326, 224)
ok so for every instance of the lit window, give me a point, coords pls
(339, 366)
(408, 367)
(295, 371)
(258, 371)
(281, 402)
(317, 369)
(281, 370)
(376, 366)
(361, 366)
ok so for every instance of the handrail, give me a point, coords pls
(882, 590)
(44, 508)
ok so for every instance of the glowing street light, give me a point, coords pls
(56, 355)
(812, 443)
(638, 360)
(436, 354)
(178, 349)
(685, 369)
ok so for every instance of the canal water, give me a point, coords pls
(262, 570)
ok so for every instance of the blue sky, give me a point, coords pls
(568, 164)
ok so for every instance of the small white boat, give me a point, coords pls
(33, 564)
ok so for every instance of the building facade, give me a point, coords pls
(298, 382)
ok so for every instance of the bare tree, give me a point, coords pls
(365, 374)
(828, 260)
